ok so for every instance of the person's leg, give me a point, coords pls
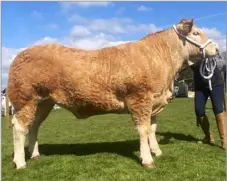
(201, 97)
(217, 97)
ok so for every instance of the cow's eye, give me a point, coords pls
(196, 33)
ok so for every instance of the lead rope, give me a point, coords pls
(207, 67)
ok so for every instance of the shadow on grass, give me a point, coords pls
(177, 136)
(123, 148)
(167, 138)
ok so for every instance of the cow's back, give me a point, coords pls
(70, 77)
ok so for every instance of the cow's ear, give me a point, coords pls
(185, 26)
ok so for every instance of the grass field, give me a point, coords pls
(106, 147)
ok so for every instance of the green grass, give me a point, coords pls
(106, 147)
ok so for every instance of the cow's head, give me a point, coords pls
(195, 40)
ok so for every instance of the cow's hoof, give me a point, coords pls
(36, 158)
(149, 165)
(157, 153)
(19, 167)
(22, 167)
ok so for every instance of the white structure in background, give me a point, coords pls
(176, 91)
(3, 107)
(56, 107)
(182, 89)
(191, 94)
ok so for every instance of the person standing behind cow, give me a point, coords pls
(202, 92)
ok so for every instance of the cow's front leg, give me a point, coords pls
(141, 113)
(152, 138)
(145, 154)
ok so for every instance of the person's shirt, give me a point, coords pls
(200, 82)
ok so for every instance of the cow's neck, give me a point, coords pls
(170, 43)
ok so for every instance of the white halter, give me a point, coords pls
(206, 62)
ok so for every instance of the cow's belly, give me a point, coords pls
(86, 106)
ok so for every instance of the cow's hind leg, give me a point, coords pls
(21, 121)
(43, 110)
(152, 138)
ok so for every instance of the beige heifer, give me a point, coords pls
(135, 77)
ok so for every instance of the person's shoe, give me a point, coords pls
(205, 125)
(221, 122)
(209, 140)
